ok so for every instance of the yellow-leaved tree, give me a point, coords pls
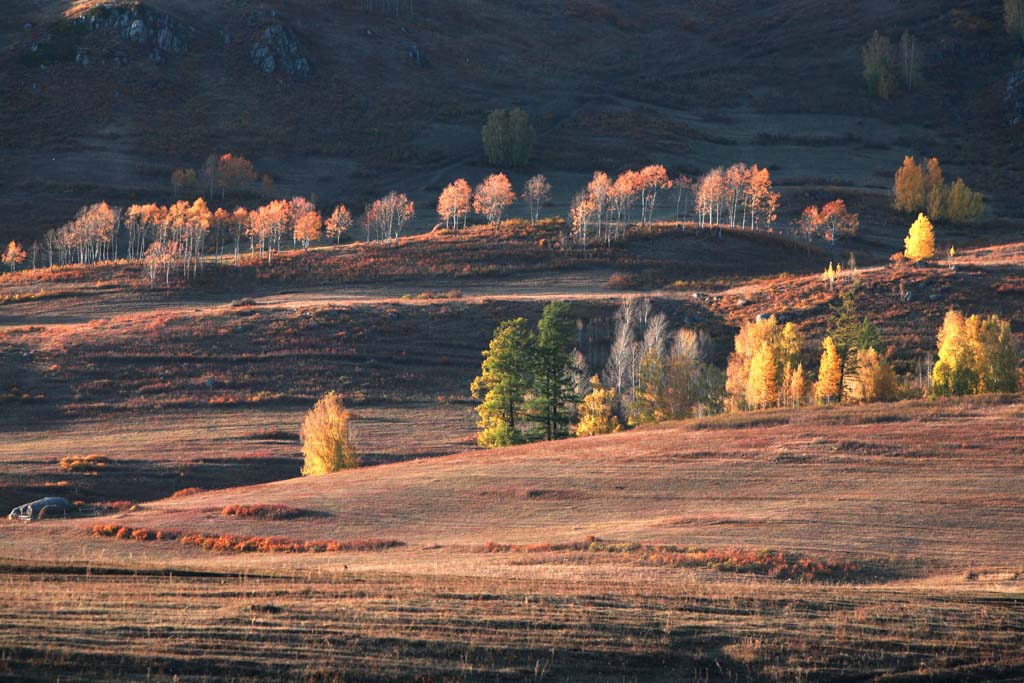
(919, 244)
(763, 384)
(829, 388)
(909, 187)
(747, 389)
(976, 355)
(596, 412)
(326, 438)
(875, 379)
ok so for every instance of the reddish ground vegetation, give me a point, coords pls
(244, 544)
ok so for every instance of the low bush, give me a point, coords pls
(83, 463)
(267, 512)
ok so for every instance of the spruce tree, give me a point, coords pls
(554, 390)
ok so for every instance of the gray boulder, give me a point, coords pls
(42, 509)
(276, 48)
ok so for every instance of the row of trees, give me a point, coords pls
(534, 386)
(921, 188)
(739, 196)
(742, 193)
(490, 199)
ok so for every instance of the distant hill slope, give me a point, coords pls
(397, 101)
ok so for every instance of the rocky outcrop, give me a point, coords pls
(1015, 96)
(275, 48)
(139, 24)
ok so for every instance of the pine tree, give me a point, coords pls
(502, 385)
(554, 391)
(830, 374)
(920, 240)
(597, 411)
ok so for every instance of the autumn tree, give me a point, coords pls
(962, 204)
(922, 190)
(220, 227)
(184, 180)
(266, 226)
(909, 187)
(228, 173)
(597, 411)
(934, 189)
(387, 217)
(239, 223)
(598, 195)
(508, 137)
(762, 390)
(975, 355)
(582, 214)
(920, 240)
(306, 227)
(492, 197)
(553, 389)
(689, 385)
(455, 203)
(14, 255)
(652, 179)
(537, 193)
(160, 257)
(829, 387)
(327, 438)
(502, 385)
(749, 389)
(874, 378)
(880, 70)
(338, 223)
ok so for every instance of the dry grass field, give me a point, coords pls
(626, 557)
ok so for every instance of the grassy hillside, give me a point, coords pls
(690, 85)
(496, 581)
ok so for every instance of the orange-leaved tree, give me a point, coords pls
(339, 223)
(454, 204)
(493, 196)
(13, 255)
